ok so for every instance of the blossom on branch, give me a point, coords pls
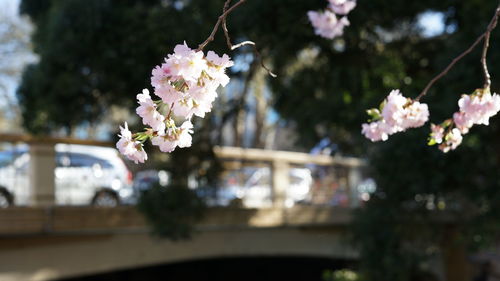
(148, 111)
(174, 137)
(331, 22)
(186, 84)
(377, 131)
(437, 134)
(400, 113)
(326, 24)
(397, 114)
(341, 7)
(475, 109)
(129, 147)
(451, 140)
(479, 107)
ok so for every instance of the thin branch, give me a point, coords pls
(234, 47)
(485, 36)
(257, 54)
(170, 111)
(218, 23)
(222, 20)
(224, 25)
(487, 77)
(494, 21)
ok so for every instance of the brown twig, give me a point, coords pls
(485, 36)
(487, 78)
(222, 21)
(251, 43)
(170, 111)
(224, 25)
(219, 21)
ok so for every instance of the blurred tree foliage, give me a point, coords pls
(97, 53)
(171, 210)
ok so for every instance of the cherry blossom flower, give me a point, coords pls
(331, 22)
(479, 107)
(185, 138)
(326, 24)
(416, 115)
(475, 109)
(393, 112)
(397, 114)
(127, 146)
(160, 75)
(341, 7)
(376, 131)
(437, 134)
(462, 122)
(174, 137)
(186, 63)
(147, 110)
(190, 80)
(186, 84)
(168, 93)
(451, 141)
(217, 67)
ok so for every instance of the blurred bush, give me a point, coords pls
(171, 211)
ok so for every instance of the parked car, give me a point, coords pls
(145, 179)
(256, 192)
(83, 175)
(249, 187)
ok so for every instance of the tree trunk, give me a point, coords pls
(240, 113)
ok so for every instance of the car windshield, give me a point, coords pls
(7, 157)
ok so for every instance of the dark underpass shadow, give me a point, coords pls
(229, 269)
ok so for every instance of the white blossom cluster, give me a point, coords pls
(186, 85)
(330, 23)
(396, 114)
(475, 109)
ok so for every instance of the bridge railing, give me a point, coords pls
(252, 178)
(28, 163)
(292, 178)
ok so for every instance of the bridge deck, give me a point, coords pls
(60, 220)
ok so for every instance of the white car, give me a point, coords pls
(257, 191)
(83, 175)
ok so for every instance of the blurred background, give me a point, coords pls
(279, 183)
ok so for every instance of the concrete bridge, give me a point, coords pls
(46, 243)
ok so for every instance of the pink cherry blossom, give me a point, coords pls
(402, 113)
(190, 81)
(393, 111)
(169, 94)
(398, 113)
(174, 137)
(341, 7)
(187, 84)
(415, 115)
(185, 138)
(164, 142)
(186, 63)
(462, 122)
(221, 62)
(376, 131)
(437, 133)
(133, 150)
(217, 67)
(452, 140)
(479, 108)
(160, 75)
(148, 111)
(326, 24)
